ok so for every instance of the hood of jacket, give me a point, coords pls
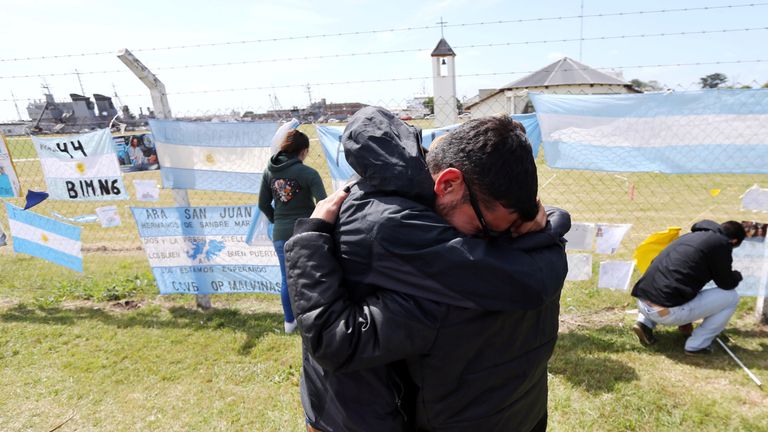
(281, 161)
(707, 225)
(387, 154)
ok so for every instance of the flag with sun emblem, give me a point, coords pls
(213, 156)
(81, 167)
(45, 238)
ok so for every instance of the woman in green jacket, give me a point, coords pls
(294, 188)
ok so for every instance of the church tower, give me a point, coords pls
(444, 84)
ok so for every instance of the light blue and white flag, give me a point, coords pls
(45, 238)
(81, 167)
(202, 250)
(330, 141)
(707, 131)
(530, 122)
(213, 156)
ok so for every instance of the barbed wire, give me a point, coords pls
(400, 51)
(389, 30)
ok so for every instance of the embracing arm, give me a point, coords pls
(341, 334)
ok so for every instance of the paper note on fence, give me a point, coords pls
(580, 237)
(615, 274)
(9, 182)
(45, 238)
(213, 156)
(680, 132)
(146, 190)
(609, 237)
(81, 167)
(751, 259)
(755, 199)
(108, 216)
(202, 250)
(579, 267)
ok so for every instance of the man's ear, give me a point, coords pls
(449, 181)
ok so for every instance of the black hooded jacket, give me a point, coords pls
(396, 288)
(682, 269)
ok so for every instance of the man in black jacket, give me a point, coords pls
(670, 291)
(395, 297)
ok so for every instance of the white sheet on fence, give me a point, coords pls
(751, 259)
(706, 131)
(755, 199)
(202, 250)
(81, 167)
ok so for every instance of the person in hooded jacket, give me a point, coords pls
(418, 310)
(294, 188)
(670, 292)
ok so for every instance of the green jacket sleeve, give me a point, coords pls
(316, 187)
(265, 198)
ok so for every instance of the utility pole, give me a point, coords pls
(309, 93)
(581, 31)
(162, 111)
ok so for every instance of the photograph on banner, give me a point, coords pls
(45, 238)
(228, 157)
(755, 199)
(755, 230)
(9, 181)
(609, 237)
(579, 267)
(580, 237)
(615, 274)
(136, 152)
(108, 216)
(202, 250)
(81, 167)
(146, 190)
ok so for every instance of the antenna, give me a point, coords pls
(442, 23)
(82, 91)
(309, 93)
(581, 30)
(18, 113)
(120, 101)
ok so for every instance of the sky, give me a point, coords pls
(252, 71)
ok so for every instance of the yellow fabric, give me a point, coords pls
(714, 192)
(653, 245)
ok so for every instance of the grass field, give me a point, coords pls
(102, 351)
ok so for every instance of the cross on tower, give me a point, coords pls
(442, 24)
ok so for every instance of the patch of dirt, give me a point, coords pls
(594, 319)
(126, 305)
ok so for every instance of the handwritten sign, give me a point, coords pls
(81, 167)
(202, 250)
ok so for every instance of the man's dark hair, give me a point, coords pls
(734, 231)
(496, 157)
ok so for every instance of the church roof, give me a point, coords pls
(565, 71)
(443, 49)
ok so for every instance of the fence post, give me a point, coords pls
(761, 309)
(162, 111)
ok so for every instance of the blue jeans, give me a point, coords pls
(287, 311)
(715, 305)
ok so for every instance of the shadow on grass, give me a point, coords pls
(671, 345)
(255, 325)
(583, 359)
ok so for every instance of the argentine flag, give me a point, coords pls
(45, 238)
(706, 131)
(213, 156)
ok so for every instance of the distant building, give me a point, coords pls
(320, 111)
(565, 76)
(13, 128)
(444, 84)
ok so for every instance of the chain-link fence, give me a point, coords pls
(650, 201)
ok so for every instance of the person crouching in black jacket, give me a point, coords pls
(418, 309)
